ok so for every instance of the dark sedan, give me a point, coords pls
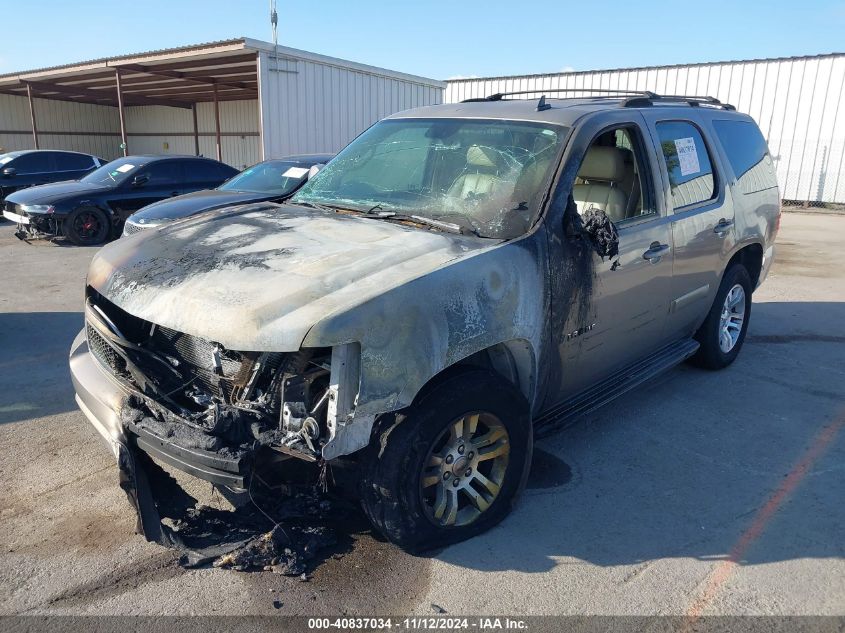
(31, 167)
(90, 210)
(271, 180)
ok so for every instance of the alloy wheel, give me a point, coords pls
(465, 469)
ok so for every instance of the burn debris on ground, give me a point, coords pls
(601, 231)
(287, 530)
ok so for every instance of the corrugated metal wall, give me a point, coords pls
(315, 106)
(150, 128)
(97, 127)
(797, 102)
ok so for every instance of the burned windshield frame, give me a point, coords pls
(487, 175)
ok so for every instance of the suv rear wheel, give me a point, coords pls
(723, 332)
(451, 465)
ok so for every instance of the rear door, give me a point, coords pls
(163, 180)
(202, 174)
(630, 293)
(701, 212)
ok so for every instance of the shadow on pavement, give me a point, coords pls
(34, 375)
(680, 467)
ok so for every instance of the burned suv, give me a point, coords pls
(458, 277)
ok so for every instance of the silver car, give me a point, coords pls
(457, 278)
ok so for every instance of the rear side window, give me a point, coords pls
(205, 171)
(689, 165)
(72, 162)
(748, 155)
(161, 173)
(35, 163)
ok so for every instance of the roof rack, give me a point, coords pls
(632, 98)
(605, 93)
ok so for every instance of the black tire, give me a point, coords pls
(391, 487)
(710, 354)
(86, 226)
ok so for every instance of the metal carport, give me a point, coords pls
(240, 100)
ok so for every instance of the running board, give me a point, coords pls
(611, 388)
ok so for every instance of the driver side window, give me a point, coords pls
(613, 176)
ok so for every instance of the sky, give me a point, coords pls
(436, 38)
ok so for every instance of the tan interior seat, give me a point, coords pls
(480, 174)
(602, 174)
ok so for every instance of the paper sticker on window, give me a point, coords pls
(295, 172)
(687, 156)
(124, 168)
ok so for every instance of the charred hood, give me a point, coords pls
(258, 277)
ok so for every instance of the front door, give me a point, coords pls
(630, 293)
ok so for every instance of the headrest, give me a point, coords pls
(478, 156)
(603, 163)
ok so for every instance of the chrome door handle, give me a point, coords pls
(655, 252)
(722, 227)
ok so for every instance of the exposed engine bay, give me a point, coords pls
(201, 397)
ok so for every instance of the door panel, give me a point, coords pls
(630, 303)
(630, 294)
(702, 226)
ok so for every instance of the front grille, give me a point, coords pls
(131, 229)
(103, 352)
(196, 360)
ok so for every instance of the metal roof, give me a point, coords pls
(642, 68)
(177, 77)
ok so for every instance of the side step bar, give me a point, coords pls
(611, 388)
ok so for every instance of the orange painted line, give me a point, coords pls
(723, 571)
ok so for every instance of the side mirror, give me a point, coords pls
(140, 180)
(9, 172)
(313, 171)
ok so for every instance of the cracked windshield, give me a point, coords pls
(482, 177)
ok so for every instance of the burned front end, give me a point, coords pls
(205, 409)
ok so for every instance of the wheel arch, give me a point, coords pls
(749, 255)
(513, 360)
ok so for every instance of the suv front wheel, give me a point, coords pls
(451, 465)
(723, 332)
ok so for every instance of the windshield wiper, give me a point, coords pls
(418, 219)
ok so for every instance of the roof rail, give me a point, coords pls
(604, 93)
(633, 98)
(691, 100)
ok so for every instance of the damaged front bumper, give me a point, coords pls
(33, 226)
(101, 398)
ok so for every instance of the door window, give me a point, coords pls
(688, 163)
(203, 171)
(613, 177)
(748, 155)
(72, 162)
(161, 174)
(34, 163)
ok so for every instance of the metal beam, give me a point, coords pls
(120, 111)
(217, 124)
(32, 115)
(99, 95)
(174, 74)
(201, 63)
(99, 80)
(196, 131)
